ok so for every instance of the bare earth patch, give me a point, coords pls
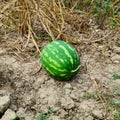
(86, 97)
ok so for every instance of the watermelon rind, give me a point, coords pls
(60, 59)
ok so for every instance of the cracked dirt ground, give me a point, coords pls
(33, 91)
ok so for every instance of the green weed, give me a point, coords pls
(16, 118)
(105, 9)
(90, 96)
(117, 115)
(115, 104)
(117, 42)
(116, 76)
(44, 116)
(117, 93)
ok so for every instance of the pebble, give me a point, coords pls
(67, 103)
(97, 114)
(4, 103)
(86, 106)
(22, 114)
(63, 113)
(54, 118)
(9, 115)
(68, 86)
(39, 82)
(89, 118)
(116, 58)
(116, 49)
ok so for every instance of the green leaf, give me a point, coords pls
(116, 76)
(96, 10)
(114, 102)
(50, 39)
(41, 116)
(44, 116)
(117, 93)
(98, 1)
(16, 118)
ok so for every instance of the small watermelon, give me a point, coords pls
(60, 59)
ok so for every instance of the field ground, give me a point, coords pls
(93, 94)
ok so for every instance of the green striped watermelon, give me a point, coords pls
(60, 60)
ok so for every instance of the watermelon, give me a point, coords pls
(60, 59)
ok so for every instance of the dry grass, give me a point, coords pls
(29, 18)
(21, 16)
(52, 17)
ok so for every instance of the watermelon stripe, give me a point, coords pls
(58, 58)
(53, 71)
(75, 69)
(63, 56)
(71, 50)
(55, 63)
(76, 57)
(55, 49)
(62, 75)
(53, 66)
(46, 64)
(65, 51)
(48, 69)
